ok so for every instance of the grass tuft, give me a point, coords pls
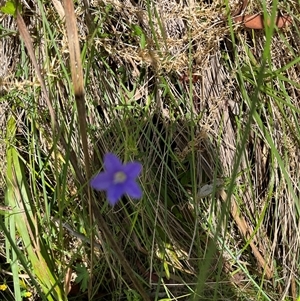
(208, 106)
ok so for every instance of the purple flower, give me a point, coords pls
(118, 179)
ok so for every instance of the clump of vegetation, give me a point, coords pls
(196, 93)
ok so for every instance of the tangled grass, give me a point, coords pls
(208, 107)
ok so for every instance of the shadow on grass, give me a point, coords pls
(170, 237)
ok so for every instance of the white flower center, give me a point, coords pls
(119, 177)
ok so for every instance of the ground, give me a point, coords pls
(205, 101)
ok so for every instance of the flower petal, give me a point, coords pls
(133, 190)
(112, 163)
(114, 193)
(132, 169)
(102, 181)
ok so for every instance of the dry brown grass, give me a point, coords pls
(184, 41)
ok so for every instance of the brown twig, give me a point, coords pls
(257, 21)
(241, 9)
(248, 234)
(77, 79)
